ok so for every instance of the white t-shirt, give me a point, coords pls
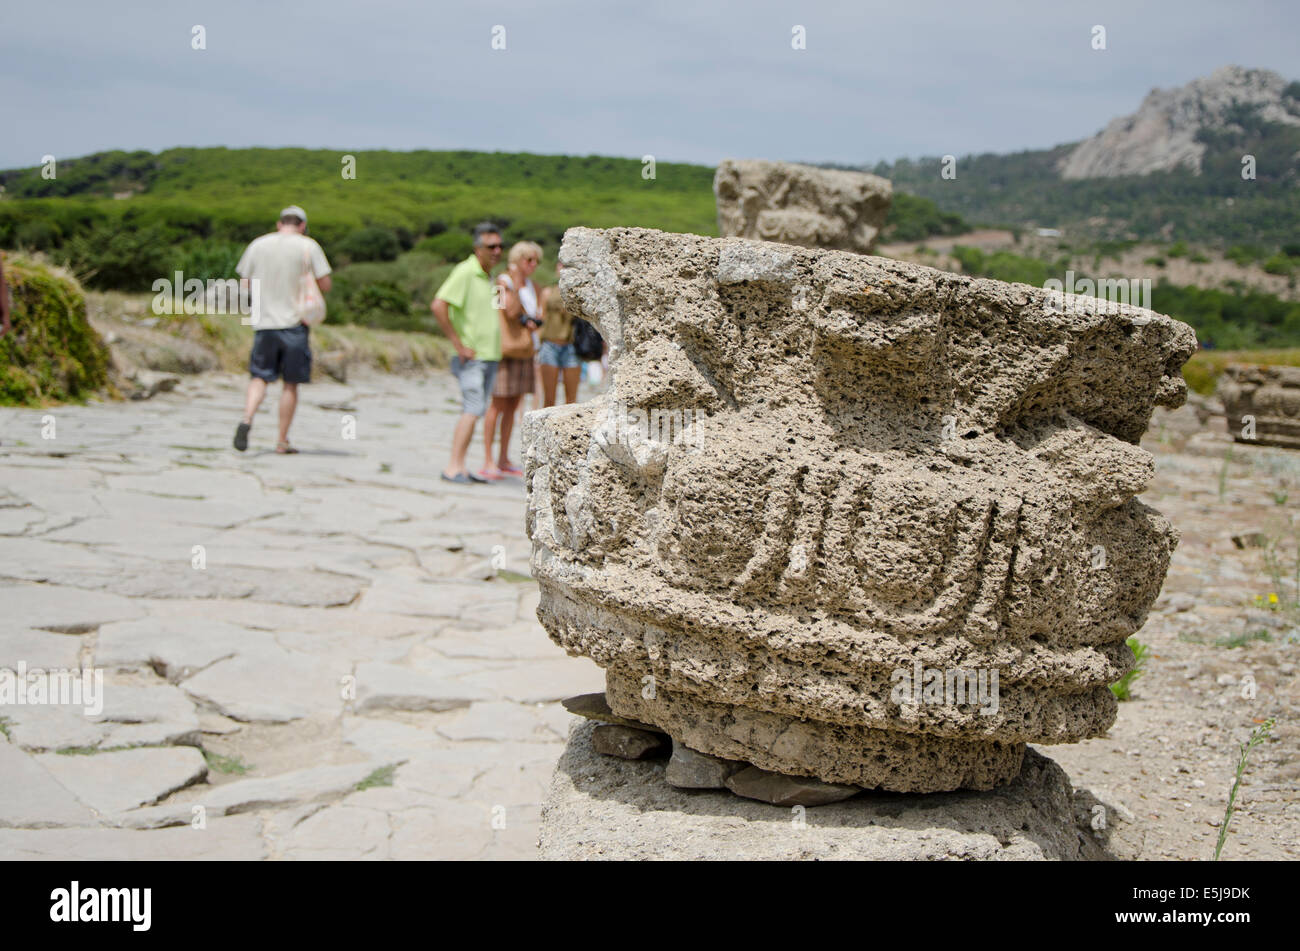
(527, 296)
(274, 263)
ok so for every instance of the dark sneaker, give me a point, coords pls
(241, 436)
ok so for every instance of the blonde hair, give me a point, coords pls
(525, 249)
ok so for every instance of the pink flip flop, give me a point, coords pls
(490, 475)
(511, 470)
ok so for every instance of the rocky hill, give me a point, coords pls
(1169, 172)
(1165, 132)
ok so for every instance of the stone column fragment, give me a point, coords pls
(801, 204)
(847, 517)
(1262, 404)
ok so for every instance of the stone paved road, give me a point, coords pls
(328, 655)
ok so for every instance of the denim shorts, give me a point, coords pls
(560, 355)
(475, 378)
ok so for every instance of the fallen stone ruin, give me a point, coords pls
(842, 522)
(1262, 404)
(800, 204)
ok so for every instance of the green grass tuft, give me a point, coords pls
(1122, 688)
(1242, 639)
(380, 777)
(1257, 736)
(228, 765)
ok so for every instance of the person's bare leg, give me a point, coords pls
(253, 398)
(490, 420)
(535, 396)
(550, 376)
(288, 406)
(507, 427)
(571, 380)
(460, 438)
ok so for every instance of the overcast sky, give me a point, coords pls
(693, 81)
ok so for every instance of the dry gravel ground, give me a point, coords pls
(350, 641)
(1171, 756)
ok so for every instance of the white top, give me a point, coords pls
(273, 264)
(527, 296)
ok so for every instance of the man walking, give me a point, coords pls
(467, 314)
(272, 267)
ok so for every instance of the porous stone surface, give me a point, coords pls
(1268, 394)
(601, 807)
(853, 755)
(800, 204)
(818, 477)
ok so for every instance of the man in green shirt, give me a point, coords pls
(467, 313)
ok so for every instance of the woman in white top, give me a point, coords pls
(517, 374)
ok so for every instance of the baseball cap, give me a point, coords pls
(295, 211)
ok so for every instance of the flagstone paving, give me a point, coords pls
(332, 655)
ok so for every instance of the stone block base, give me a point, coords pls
(601, 807)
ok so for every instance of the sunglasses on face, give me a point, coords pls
(493, 247)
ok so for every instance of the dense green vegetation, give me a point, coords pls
(184, 201)
(1217, 207)
(391, 232)
(912, 219)
(51, 354)
(394, 230)
(1233, 320)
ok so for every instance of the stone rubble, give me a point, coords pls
(627, 742)
(691, 769)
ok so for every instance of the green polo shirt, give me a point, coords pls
(468, 293)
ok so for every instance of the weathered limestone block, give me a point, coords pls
(1267, 394)
(800, 204)
(819, 480)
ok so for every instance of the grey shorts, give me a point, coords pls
(475, 378)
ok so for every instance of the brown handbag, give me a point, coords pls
(516, 340)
